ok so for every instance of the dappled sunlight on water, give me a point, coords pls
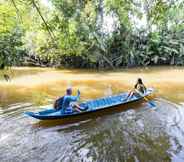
(133, 132)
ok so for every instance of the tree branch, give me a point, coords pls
(17, 11)
(44, 21)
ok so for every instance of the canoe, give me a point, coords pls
(110, 102)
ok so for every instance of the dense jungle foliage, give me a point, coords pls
(91, 33)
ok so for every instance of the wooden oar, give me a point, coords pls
(145, 98)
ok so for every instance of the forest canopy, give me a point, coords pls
(91, 33)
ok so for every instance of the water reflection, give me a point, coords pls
(42, 86)
(140, 134)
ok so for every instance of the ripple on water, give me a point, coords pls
(132, 135)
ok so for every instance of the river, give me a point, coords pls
(138, 133)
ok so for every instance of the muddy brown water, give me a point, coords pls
(136, 132)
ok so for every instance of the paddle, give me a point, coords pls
(146, 99)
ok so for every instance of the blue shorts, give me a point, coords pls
(68, 110)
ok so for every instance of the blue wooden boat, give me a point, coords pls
(110, 102)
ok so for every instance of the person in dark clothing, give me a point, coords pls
(139, 89)
(140, 86)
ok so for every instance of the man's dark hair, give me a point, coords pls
(68, 91)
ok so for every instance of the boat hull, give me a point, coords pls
(102, 104)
